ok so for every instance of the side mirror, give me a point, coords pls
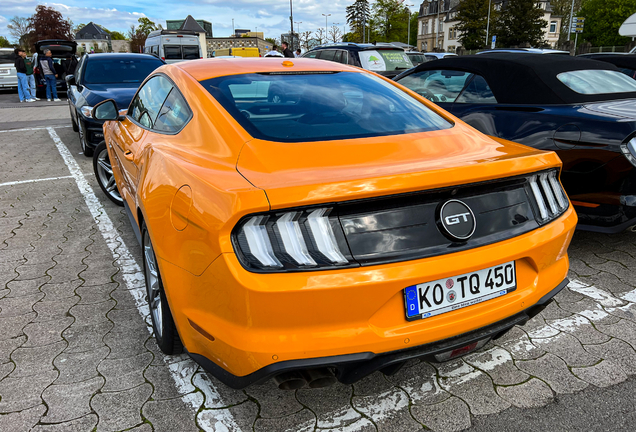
(70, 80)
(106, 110)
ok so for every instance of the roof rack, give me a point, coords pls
(173, 32)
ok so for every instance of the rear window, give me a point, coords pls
(7, 56)
(592, 82)
(385, 60)
(437, 85)
(321, 106)
(172, 52)
(111, 71)
(190, 52)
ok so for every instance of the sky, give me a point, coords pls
(268, 16)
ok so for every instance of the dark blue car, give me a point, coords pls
(585, 110)
(99, 77)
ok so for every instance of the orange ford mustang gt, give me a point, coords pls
(309, 221)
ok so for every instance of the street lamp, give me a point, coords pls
(291, 21)
(488, 25)
(326, 33)
(408, 25)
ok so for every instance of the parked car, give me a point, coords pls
(623, 61)
(174, 46)
(417, 58)
(345, 229)
(525, 50)
(437, 55)
(585, 110)
(59, 50)
(99, 77)
(8, 74)
(385, 59)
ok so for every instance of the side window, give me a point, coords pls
(338, 56)
(477, 91)
(343, 57)
(311, 54)
(174, 113)
(437, 85)
(148, 101)
(327, 54)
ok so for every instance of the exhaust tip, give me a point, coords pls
(319, 378)
(290, 381)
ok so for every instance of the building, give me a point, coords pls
(237, 42)
(121, 46)
(92, 37)
(198, 26)
(438, 32)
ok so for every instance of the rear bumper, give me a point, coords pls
(351, 368)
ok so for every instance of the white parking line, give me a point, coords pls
(34, 129)
(134, 279)
(19, 182)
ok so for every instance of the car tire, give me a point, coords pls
(163, 326)
(73, 122)
(104, 174)
(88, 152)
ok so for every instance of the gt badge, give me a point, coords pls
(457, 220)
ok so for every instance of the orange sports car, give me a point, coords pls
(308, 221)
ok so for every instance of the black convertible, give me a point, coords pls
(585, 110)
(625, 62)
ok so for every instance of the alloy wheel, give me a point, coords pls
(153, 287)
(105, 175)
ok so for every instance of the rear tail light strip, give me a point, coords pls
(548, 195)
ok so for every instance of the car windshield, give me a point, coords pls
(598, 81)
(385, 60)
(321, 106)
(7, 56)
(111, 71)
(437, 85)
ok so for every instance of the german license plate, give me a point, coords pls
(4, 71)
(445, 295)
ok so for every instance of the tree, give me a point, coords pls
(521, 22)
(19, 27)
(146, 26)
(391, 19)
(562, 8)
(304, 38)
(78, 27)
(4, 42)
(335, 34)
(603, 19)
(473, 19)
(321, 36)
(137, 39)
(48, 23)
(358, 14)
(115, 35)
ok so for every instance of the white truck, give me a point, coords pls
(174, 46)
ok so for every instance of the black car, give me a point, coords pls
(625, 62)
(60, 49)
(104, 76)
(385, 59)
(585, 110)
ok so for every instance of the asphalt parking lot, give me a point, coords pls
(77, 353)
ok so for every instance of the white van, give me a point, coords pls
(8, 75)
(174, 45)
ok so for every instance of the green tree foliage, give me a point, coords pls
(4, 42)
(115, 35)
(520, 22)
(603, 19)
(78, 27)
(390, 20)
(146, 26)
(473, 19)
(357, 15)
(414, 23)
(562, 8)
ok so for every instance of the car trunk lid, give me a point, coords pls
(295, 174)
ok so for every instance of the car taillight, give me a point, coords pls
(36, 70)
(549, 196)
(629, 150)
(163, 58)
(291, 240)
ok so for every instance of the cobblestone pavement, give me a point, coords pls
(77, 354)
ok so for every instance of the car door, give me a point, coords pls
(132, 134)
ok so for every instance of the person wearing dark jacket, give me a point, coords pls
(47, 68)
(23, 83)
(286, 51)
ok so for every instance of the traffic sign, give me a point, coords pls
(494, 41)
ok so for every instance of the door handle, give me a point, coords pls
(129, 155)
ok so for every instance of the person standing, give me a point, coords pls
(297, 53)
(23, 83)
(30, 76)
(286, 51)
(274, 52)
(48, 70)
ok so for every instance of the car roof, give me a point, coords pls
(524, 50)
(620, 60)
(215, 67)
(358, 46)
(121, 56)
(516, 78)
